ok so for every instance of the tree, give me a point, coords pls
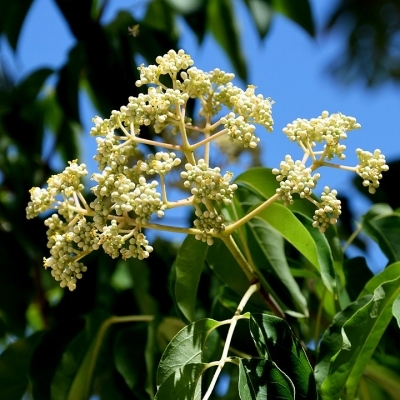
(108, 335)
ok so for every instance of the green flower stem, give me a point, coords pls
(186, 147)
(208, 139)
(163, 189)
(343, 167)
(250, 291)
(238, 256)
(169, 146)
(180, 203)
(231, 228)
(318, 318)
(99, 340)
(350, 240)
(253, 275)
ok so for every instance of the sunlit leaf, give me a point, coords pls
(185, 348)
(182, 384)
(349, 343)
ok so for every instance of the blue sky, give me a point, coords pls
(288, 66)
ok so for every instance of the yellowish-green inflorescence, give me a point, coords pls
(131, 187)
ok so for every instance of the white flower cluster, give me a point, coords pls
(68, 244)
(65, 184)
(159, 163)
(239, 129)
(210, 224)
(328, 211)
(330, 129)
(208, 183)
(126, 196)
(111, 152)
(169, 64)
(370, 168)
(126, 200)
(294, 177)
(253, 108)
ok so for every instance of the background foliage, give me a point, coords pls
(54, 342)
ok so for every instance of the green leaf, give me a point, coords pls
(275, 340)
(12, 17)
(262, 15)
(31, 86)
(266, 247)
(14, 364)
(357, 275)
(384, 377)
(324, 253)
(262, 379)
(130, 358)
(350, 341)
(223, 26)
(396, 310)
(72, 377)
(182, 384)
(185, 348)
(385, 230)
(188, 266)
(310, 243)
(298, 11)
(259, 180)
(48, 353)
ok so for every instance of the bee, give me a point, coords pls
(134, 30)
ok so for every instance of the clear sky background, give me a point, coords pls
(288, 66)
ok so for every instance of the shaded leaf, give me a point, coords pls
(12, 17)
(72, 377)
(188, 266)
(47, 355)
(130, 358)
(385, 230)
(262, 379)
(275, 341)
(298, 11)
(14, 365)
(261, 12)
(222, 24)
(266, 247)
(312, 245)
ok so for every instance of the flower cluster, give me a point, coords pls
(240, 130)
(130, 191)
(68, 244)
(160, 163)
(328, 210)
(210, 224)
(370, 168)
(294, 177)
(208, 183)
(328, 129)
(65, 184)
